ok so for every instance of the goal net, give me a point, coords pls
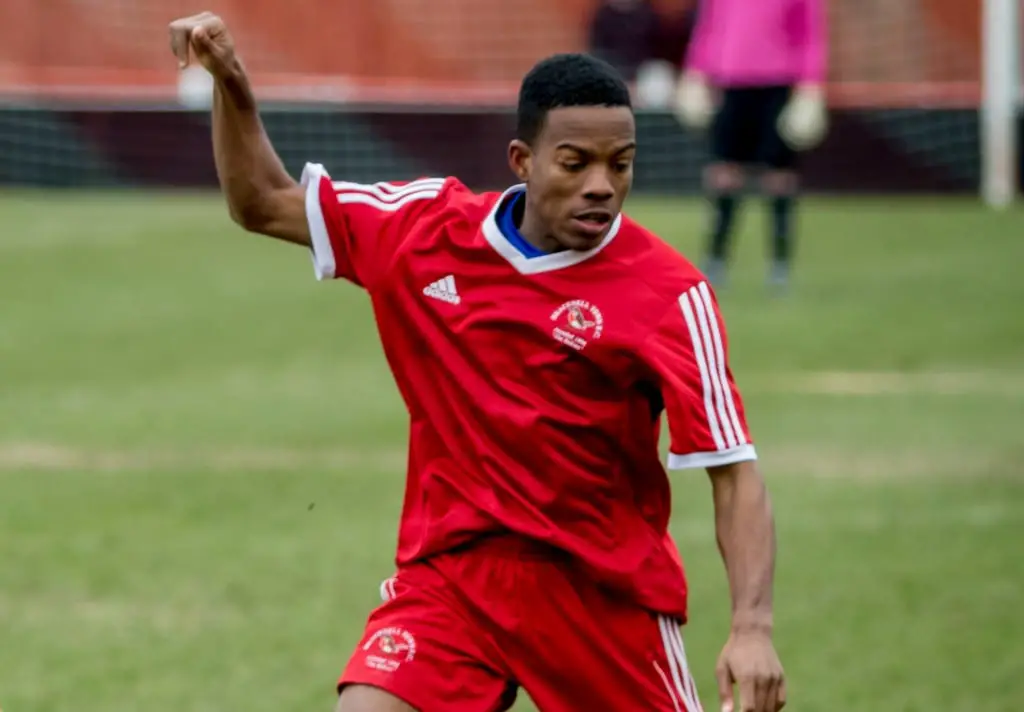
(399, 88)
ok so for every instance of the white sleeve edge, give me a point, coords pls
(324, 265)
(740, 453)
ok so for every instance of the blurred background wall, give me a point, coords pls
(399, 88)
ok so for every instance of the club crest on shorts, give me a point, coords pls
(577, 323)
(388, 648)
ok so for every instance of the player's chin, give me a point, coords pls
(582, 235)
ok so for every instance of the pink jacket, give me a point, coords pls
(760, 42)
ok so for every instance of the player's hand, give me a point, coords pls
(803, 122)
(694, 104)
(750, 663)
(206, 36)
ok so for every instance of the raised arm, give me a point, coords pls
(260, 194)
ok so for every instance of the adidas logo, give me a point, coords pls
(444, 289)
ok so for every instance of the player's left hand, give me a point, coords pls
(750, 663)
(803, 122)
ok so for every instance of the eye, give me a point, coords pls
(622, 163)
(573, 166)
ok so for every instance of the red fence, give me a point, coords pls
(883, 52)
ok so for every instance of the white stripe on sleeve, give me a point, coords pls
(390, 207)
(705, 321)
(388, 197)
(716, 335)
(322, 253)
(386, 191)
(718, 458)
(702, 365)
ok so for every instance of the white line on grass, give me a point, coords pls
(60, 458)
(866, 520)
(886, 383)
(802, 460)
(821, 461)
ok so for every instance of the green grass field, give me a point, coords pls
(201, 458)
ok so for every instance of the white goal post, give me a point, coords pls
(1001, 92)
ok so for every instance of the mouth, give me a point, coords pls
(592, 223)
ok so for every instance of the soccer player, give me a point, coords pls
(768, 59)
(537, 337)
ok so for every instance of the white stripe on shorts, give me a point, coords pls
(682, 686)
(668, 686)
(387, 589)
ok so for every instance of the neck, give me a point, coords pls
(533, 230)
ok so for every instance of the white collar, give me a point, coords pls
(545, 263)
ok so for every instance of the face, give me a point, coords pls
(578, 172)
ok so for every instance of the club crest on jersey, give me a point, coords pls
(577, 323)
(388, 648)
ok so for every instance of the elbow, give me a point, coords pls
(275, 213)
(249, 214)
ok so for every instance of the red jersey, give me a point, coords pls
(536, 385)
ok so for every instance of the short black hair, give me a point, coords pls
(564, 80)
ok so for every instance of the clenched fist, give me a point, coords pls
(206, 36)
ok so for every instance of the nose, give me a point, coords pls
(598, 187)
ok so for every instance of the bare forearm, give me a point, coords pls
(248, 168)
(745, 529)
(261, 196)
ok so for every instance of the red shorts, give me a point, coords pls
(464, 631)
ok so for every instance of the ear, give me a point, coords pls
(520, 159)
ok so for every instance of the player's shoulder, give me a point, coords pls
(421, 195)
(460, 199)
(454, 203)
(659, 273)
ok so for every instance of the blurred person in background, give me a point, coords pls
(675, 27)
(623, 33)
(658, 76)
(754, 75)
